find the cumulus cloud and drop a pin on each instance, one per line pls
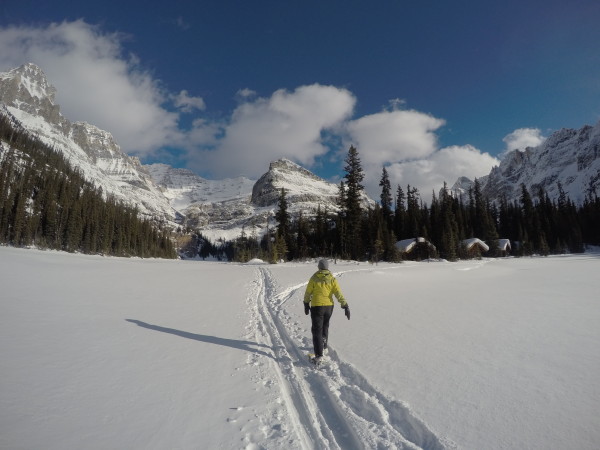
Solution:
(523, 138)
(404, 141)
(245, 94)
(445, 165)
(95, 81)
(392, 136)
(285, 125)
(99, 83)
(188, 104)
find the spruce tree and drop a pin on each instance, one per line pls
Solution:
(340, 226)
(413, 226)
(354, 178)
(282, 217)
(527, 214)
(386, 197)
(400, 214)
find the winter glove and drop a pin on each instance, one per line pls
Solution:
(347, 311)
(306, 308)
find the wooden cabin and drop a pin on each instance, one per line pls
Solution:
(416, 248)
(504, 247)
(475, 247)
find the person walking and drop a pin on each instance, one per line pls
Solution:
(318, 301)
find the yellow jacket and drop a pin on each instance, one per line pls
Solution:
(321, 288)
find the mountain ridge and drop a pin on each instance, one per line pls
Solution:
(569, 158)
(29, 98)
(221, 209)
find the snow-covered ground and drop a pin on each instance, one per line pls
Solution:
(99, 353)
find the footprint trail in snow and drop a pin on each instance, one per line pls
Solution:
(334, 407)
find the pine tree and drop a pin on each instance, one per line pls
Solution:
(283, 221)
(302, 237)
(449, 245)
(528, 221)
(354, 178)
(386, 197)
(320, 232)
(340, 225)
(280, 249)
(400, 214)
(413, 213)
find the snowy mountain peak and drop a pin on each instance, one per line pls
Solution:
(32, 81)
(301, 185)
(28, 97)
(285, 165)
(219, 208)
(27, 89)
(462, 182)
(568, 157)
(184, 188)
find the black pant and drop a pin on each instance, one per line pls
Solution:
(320, 316)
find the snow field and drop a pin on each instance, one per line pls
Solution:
(103, 353)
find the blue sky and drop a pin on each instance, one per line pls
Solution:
(432, 90)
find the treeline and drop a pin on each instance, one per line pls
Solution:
(534, 224)
(193, 245)
(46, 203)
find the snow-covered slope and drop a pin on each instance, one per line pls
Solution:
(28, 96)
(304, 190)
(218, 208)
(223, 208)
(92, 359)
(184, 188)
(569, 157)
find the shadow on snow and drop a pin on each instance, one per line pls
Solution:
(248, 346)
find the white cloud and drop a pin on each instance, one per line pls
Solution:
(203, 134)
(392, 136)
(186, 103)
(288, 125)
(98, 83)
(245, 94)
(95, 82)
(404, 141)
(523, 138)
(445, 165)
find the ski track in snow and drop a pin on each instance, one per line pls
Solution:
(332, 407)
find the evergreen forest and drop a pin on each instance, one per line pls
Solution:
(534, 225)
(46, 203)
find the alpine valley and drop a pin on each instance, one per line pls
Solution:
(222, 209)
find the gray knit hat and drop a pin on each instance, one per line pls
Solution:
(323, 264)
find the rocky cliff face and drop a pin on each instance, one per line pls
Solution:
(28, 96)
(27, 89)
(301, 186)
(220, 208)
(223, 208)
(569, 157)
(304, 190)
